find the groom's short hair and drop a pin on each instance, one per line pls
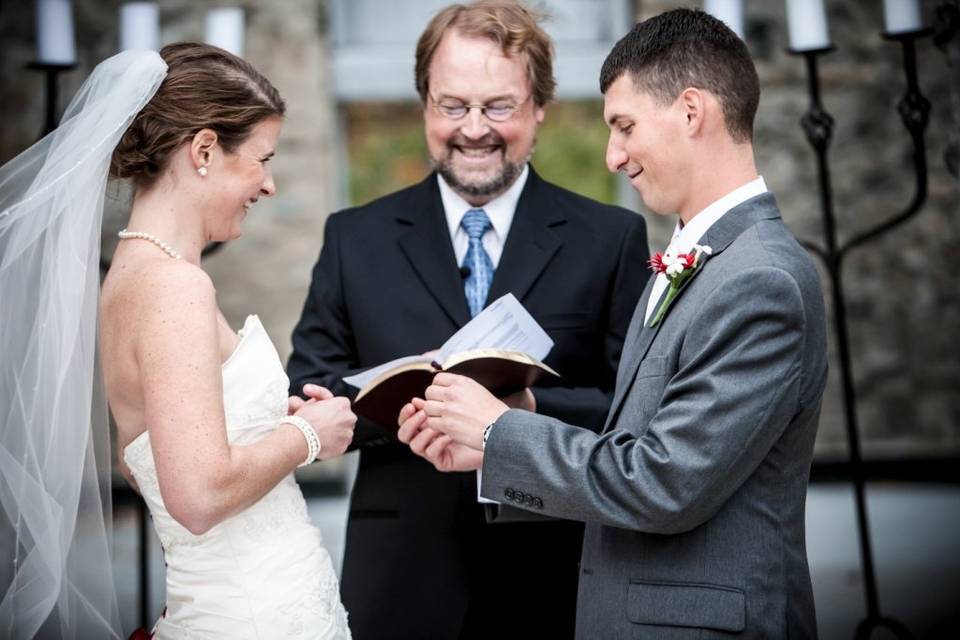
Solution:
(509, 24)
(689, 48)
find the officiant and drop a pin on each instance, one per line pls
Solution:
(399, 275)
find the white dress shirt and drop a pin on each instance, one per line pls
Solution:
(500, 210)
(685, 236)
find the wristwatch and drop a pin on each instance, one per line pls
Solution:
(486, 434)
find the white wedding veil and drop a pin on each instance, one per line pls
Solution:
(55, 570)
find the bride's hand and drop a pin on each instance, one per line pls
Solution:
(294, 403)
(313, 391)
(333, 421)
(437, 448)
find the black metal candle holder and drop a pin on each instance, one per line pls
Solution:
(817, 124)
(51, 73)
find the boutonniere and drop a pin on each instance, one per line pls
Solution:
(678, 267)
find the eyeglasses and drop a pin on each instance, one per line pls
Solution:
(496, 111)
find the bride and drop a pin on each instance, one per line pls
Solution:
(205, 430)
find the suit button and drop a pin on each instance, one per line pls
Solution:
(538, 503)
(509, 493)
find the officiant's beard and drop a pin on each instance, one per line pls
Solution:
(479, 189)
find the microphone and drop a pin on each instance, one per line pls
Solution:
(464, 272)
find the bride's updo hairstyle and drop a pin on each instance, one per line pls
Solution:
(205, 88)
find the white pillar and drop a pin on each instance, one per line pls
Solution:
(807, 23)
(55, 39)
(225, 29)
(139, 26)
(728, 11)
(901, 16)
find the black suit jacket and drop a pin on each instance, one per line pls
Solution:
(421, 561)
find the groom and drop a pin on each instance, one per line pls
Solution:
(694, 492)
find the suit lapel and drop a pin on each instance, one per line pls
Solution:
(635, 348)
(426, 243)
(530, 245)
(718, 237)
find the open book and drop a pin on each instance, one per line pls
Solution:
(501, 348)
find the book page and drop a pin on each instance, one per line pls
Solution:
(359, 380)
(505, 324)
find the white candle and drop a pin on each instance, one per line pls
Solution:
(225, 29)
(139, 26)
(807, 23)
(902, 16)
(55, 44)
(728, 11)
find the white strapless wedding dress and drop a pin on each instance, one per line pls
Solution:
(263, 573)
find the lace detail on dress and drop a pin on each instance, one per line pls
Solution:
(282, 507)
(264, 572)
(321, 601)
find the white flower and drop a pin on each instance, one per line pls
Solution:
(675, 268)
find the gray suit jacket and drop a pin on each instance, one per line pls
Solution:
(694, 492)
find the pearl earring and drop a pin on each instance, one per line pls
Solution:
(202, 171)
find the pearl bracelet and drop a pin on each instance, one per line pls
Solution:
(313, 441)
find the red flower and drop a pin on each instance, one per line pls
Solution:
(656, 263)
(688, 259)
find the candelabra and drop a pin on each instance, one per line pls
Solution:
(817, 124)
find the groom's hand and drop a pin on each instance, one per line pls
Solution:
(461, 408)
(438, 449)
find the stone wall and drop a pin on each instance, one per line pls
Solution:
(902, 293)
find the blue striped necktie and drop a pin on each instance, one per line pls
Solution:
(476, 286)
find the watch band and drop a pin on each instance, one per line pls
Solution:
(486, 434)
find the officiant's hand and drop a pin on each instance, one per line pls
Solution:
(438, 449)
(461, 408)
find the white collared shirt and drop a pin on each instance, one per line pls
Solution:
(500, 210)
(685, 236)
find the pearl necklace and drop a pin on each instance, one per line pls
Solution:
(167, 249)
